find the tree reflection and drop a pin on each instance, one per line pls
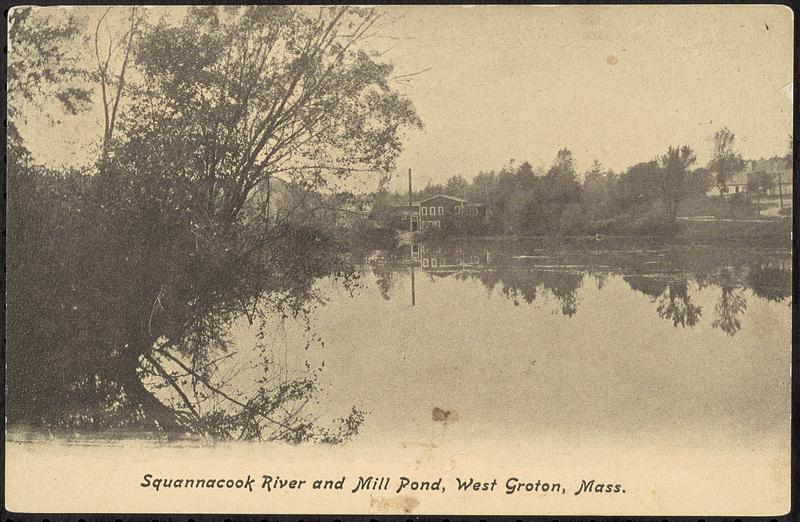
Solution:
(649, 286)
(522, 277)
(674, 301)
(385, 279)
(730, 306)
(770, 282)
(563, 286)
(676, 304)
(526, 285)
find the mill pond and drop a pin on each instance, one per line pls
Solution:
(513, 340)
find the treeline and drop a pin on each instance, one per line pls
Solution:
(644, 199)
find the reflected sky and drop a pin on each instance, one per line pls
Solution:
(690, 345)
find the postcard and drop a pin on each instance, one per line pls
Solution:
(406, 260)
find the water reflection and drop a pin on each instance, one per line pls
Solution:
(525, 273)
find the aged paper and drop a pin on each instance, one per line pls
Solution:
(495, 260)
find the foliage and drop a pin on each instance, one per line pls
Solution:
(42, 69)
(42, 75)
(674, 166)
(213, 202)
(726, 160)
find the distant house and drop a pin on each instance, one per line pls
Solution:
(737, 184)
(432, 212)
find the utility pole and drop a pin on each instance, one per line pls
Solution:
(410, 205)
(413, 289)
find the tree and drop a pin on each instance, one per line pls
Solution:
(596, 190)
(640, 183)
(456, 186)
(560, 191)
(759, 182)
(42, 78)
(526, 178)
(674, 166)
(564, 162)
(595, 170)
(483, 186)
(43, 75)
(210, 207)
(561, 183)
(111, 76)
(726, 160)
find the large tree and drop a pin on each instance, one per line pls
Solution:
(208, 207)
(674, 166)
(726, 160)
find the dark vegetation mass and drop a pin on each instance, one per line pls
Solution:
(209, 203)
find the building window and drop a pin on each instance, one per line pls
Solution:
(737, 189)
(441, 211)
(424, 211)
(457, 210)
(424, 263)
(433, 211)
(433, 262)
(414, 251)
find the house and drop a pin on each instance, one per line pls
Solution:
(737, 184)
(435, 210)
(776, 168)
(432, 212)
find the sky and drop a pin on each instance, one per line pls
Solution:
(618, 84)
(614, 83)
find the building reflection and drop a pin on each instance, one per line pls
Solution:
(443, 259)
(670, 283)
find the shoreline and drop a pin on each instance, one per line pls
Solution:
(728, 233)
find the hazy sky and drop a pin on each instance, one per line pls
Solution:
(614, 83)
(619, 84)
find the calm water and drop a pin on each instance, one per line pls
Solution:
(666, 370)
(517, 341)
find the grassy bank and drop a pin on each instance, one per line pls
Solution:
(775, 233)
(766, 233)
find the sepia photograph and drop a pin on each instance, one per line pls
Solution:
(404, 260)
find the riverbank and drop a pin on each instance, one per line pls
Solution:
(749, 233)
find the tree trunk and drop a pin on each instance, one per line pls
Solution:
(156, 413)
